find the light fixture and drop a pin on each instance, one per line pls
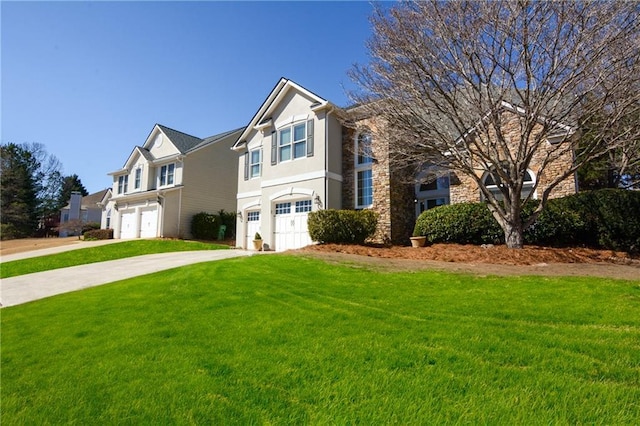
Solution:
(318, 201)
(239, 216)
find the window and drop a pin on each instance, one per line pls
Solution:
(293, 139)
(108, 224)
(364, 188)
(123, 184)
(303, 206)
(256, 162)
(136, 184)
(433, 189)
(166, 174)
(364, 173)
(494, 187)
(364, 150)
(253, 216)
(283, 208)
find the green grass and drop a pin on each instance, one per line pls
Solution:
(100, 254)
(289, 340)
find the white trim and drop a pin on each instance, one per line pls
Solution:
(301, 177)
(291, 120)
(290, 191)
(251, 204)
(248, 194)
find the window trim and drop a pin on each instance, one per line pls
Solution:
(164, 174)
(258, 163)
(137, 181)
(123, 184)
(527, 187)
(293, 143)
(362, 167)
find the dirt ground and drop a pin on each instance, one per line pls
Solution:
(28, 244)
(489, 260)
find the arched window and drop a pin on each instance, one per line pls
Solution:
(492, 186)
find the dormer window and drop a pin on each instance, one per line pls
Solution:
(166, 174)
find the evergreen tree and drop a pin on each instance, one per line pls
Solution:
(19, 190)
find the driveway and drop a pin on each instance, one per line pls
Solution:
(26, 288)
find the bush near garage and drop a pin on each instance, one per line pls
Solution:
(342, 226)
(205, 226)
(98, 234)
(607, 219)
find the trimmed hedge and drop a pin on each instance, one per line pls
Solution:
(342, 226)
(463, 223)
(607, 218)
(98, 234)
(204, 226)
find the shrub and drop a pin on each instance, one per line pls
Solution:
(9, 232)
(90, 226)
(463, 223)
(607, 218)
(557, 225)
(611, 218)
(99, 234)
(204, 226)
(342, 226)
(228, 219)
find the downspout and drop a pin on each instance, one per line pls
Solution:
(180, 213)
(326, 158)
(161, 203)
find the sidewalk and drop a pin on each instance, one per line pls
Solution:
(26, 288)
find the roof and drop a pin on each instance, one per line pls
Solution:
(182, 141)
(216, 138)
(91, 200)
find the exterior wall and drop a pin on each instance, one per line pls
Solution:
(317, 177)
(392, 194)
(209, 182)
(169, 217)
(464, 188)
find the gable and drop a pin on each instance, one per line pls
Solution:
(286, 100)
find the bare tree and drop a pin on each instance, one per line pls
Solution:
(490, 88)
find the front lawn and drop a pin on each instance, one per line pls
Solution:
(290, 340)
(100, 254)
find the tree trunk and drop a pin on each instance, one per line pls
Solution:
(513, 235)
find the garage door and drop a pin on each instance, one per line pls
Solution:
(253, 226)
(128, 225)
(291, 225)
(149, 223)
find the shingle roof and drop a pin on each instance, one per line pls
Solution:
(182, 141)
(216, 138)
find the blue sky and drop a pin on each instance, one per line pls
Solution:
(90, 79)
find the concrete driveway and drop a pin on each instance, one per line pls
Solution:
(26, 288)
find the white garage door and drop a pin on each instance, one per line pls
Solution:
(128, 225)
(253, 226)
(291, 225)
(149, 223)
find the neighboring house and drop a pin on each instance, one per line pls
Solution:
(301, 153)
(167, 180)
(86, 209)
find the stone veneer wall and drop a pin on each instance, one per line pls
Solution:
(392, 198)
(464, 188)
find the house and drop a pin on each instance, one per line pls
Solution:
(168, 179)
(301, 153)
(86, 209)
